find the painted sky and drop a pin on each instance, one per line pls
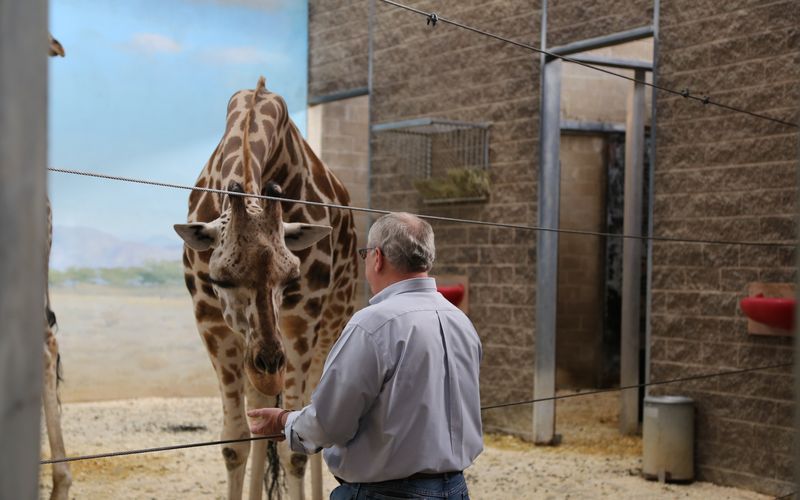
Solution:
(142, 93)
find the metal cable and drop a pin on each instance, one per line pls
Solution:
(636, 386)
(433, 18)
(258, 438)
(152, 450)
(429, 217)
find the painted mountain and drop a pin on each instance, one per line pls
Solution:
(87, 247)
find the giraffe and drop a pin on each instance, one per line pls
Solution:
(62, 477)
(272, 283)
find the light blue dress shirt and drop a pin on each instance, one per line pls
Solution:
(399, 391)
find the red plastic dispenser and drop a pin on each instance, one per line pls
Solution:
(770, 309)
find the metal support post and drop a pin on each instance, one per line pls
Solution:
(23, 157)
(544, 380)
(630, 344)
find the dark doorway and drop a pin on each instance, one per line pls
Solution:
(612, 305)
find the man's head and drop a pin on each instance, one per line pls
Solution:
(400, 246)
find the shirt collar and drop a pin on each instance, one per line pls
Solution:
(409, 285)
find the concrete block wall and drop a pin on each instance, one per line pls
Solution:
(590, 95)
(337, 45)
(572, 20)
(581, 267)
(446, 72)
(722, 175)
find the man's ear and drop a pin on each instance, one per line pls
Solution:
(299, 236)
(199, 235)
(378, 261)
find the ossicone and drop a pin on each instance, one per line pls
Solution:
(273, 189)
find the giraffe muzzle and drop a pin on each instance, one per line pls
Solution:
(266, 367)
(269, 361)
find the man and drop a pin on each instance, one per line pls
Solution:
(397, 409)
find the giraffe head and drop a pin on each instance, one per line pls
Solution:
(250, 265)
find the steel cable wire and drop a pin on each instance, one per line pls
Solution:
(490, 407)
(156, 449)
(636, 386)
(429, 217)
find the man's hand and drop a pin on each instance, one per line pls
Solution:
(268, 422)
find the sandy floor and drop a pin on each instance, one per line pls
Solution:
(137, 376)
(508, 468)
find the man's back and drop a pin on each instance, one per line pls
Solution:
(424, 415)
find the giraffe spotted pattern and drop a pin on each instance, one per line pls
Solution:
(273, 283)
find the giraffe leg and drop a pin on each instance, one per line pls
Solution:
(62, 478)
(295, 466)
(294, 463)
(258, 456)
(225, 348)
(316, 476)
(314, 374)
(328, 331)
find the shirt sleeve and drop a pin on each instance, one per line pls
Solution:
(350, 383)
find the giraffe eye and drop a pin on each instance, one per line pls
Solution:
(292, 279)
(221, 283)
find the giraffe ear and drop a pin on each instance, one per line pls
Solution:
(199, 236)
(299, 236)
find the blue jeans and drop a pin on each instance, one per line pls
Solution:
(453, 488)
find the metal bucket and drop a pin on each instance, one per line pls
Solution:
(668, 439)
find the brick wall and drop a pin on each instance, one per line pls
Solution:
(727, 176)
(337, 45)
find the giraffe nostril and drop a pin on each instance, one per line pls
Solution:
(261, 362)
(269, 360)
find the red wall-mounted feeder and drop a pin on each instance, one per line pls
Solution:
(453, 293)
(773, 312)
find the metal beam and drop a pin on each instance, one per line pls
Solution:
(613, 62)
(544, 380)
(603, 41)
(423, 122)
(337, 96)
(23, 157)
(577, 126)
(632, 258)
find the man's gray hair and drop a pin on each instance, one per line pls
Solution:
(405, 240)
